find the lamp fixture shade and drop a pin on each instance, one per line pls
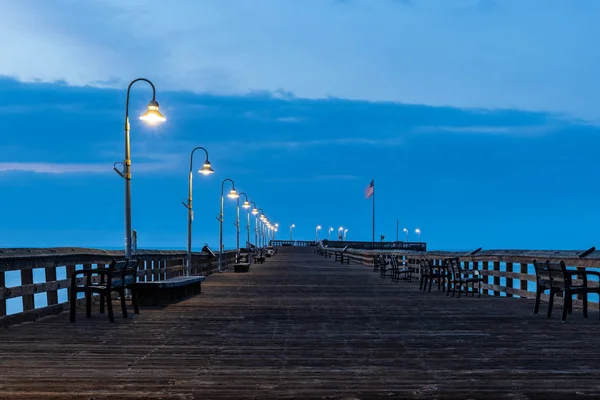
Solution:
(255, 211)
(152, 114)
(206, 168)
(246, 204)
(233, 194)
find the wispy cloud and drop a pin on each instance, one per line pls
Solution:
(492, 129)
(59, 168)
(316, 178)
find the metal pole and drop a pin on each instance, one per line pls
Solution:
(248, 229)
(290, 233)
(237, 231)
(127, 168)
(221, 224)
(190, 211)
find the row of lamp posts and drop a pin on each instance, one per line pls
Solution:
(342, 232)
(264, 230)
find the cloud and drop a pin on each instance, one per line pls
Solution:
(471, 53)
(492, 129)
(316, 178)
(58, 168)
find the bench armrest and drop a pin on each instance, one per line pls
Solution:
(581, 273)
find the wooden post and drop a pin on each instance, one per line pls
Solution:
(496, 267)
(51, 295)
(523, 282)
(142, 268)
(509, 281)
(70, 271)
(2, 284)
(27, 279)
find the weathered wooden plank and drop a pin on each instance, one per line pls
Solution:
(2, 300)
(51, 294)
(509, 277)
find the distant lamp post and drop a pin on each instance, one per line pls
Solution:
(329, 232)
(247, 206)
(345, 233)
(206, 170)
(418, 232)
(340, 233)
(151, 115)
(406, 231)
(261, 228)
(255, 213)
(292, 226)
(232, 195)
(317, 233)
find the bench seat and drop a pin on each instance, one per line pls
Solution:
(241, 267)
(168, 291)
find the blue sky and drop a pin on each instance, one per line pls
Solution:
(478, 119)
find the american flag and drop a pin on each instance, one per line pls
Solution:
(370, 189)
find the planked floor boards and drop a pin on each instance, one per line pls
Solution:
(300, 326)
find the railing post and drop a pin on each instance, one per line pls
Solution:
(523, 282)
(496, 267)
(509, 281)
(2, 284)
(27, 279)
(51, 295)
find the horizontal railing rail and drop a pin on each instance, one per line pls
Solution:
(507, 273)
(36, 282)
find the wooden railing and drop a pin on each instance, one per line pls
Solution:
(45, 275)
(507, 272)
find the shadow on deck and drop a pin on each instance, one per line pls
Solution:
(300, 326)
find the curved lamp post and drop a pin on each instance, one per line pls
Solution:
(406, 231)
(237, 224)
(329, 232)
(206, 170)
(152, 115)
(255, 213)
(340, 232)
(317, 233)
(345, 232)
(292, 226)
(232, 195)
(261, 228)
(418, 232)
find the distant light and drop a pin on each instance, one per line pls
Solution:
(233, 194)
(206, 168)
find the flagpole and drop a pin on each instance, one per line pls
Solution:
(373, 210)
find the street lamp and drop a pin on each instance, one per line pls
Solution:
(345, 232)
(317, 233)
(261, 227)
(232, 195)
(406, 230)
(247, 206)
(206, 170)
(418, 231)
(255, 213)
(329, 232)
(152, 115)
(340, 232)
(291, 227)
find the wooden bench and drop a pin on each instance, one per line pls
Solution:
(258, 258)
(120, 275)
(459, 278)
(243, 264)
(168, 291)
(555, 277)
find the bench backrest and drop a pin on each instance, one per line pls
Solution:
(122, 273)
(549, 274)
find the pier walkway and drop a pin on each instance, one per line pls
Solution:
(301, 326)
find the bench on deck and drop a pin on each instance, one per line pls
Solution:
(259, 257)
(243, 264)
(168, 291)
(119, 275)
(555, 277)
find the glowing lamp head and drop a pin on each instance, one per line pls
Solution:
(318, 227)
(255, 211)
(233, 194)
(206, 168)
(246, 204)
(276, 225)
(293, 225)
(152, 114)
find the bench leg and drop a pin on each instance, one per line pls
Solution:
(585, 305)
(134, 300)
(109, 308)
(102, 303)
(73, 301)
(550, 303)
(538, 295)
(88, 305)
(123, 304)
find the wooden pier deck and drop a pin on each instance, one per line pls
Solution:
(300, 326)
